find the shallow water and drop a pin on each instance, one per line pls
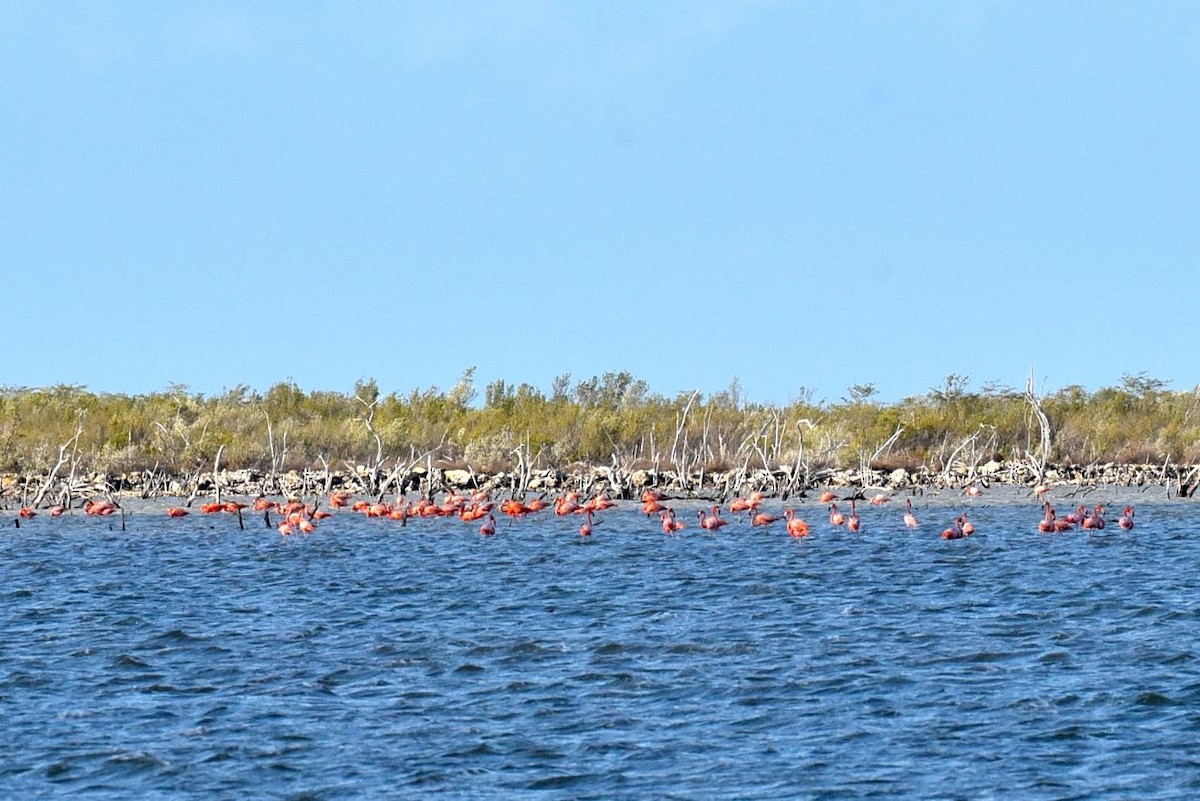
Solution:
(186, 658)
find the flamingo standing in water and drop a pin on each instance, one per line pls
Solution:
(585, 528)
(1046, 524)
(739, 505)
(1096, 519)
(968, 528)
(712, 521)
(1126, 521)
(795, 526)
(853, 522)
(669, 524)
(836, 518)
(955, 532)
(1052, 524)
(910, 519)
(763, 519)
(489, 526)
(652, 506)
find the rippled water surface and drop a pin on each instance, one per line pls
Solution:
(186, 658)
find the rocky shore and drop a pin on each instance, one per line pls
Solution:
(17, 489)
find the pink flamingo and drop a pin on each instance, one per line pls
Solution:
(795, 526)
(910, 519)
(853, 522)
(1096, 519)
(836, 518)
(763, 519)
(669, 524)
(955, 532)
(1126, 521)
(1046, 524)
(712, 521)
(585, 530)
(489, 526)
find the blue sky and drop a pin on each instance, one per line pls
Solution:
(794, 194)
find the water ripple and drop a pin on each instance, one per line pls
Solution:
(183, 659)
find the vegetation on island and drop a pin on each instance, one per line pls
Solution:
(614, 419)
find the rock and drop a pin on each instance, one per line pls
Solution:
(460, 478)
(641, 479)
(898, 477)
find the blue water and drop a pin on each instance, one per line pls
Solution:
(185, 658)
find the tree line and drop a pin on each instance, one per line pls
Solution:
(612, 419)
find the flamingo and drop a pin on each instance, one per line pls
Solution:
(1126, 521)
(712, 521)
(176, 511)
(597, 504)
(27, 513)
(669, 524)
(1096, 519)
(99, 507)
(1046, 524)
(968, 528)
(567, 504)
(853, 522)
(879, 499)
(55, 511)
(795, 526)
(652, 507)
(1052, 524)
(489, 526)
(585, 529)
(836, 518)
(955, 532)
(910, 519)
(738, 505)
(763, 519)
(826, 497)
(974, 491)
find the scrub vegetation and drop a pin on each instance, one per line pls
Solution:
(613, 419)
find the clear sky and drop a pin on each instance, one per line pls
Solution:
(795, 194)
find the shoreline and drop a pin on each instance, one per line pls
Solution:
(782, 483)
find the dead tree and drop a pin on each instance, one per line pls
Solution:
(62, 459)
(1037, 462)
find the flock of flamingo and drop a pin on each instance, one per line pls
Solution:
(296, 517)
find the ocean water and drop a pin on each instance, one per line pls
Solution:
(185, 658)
